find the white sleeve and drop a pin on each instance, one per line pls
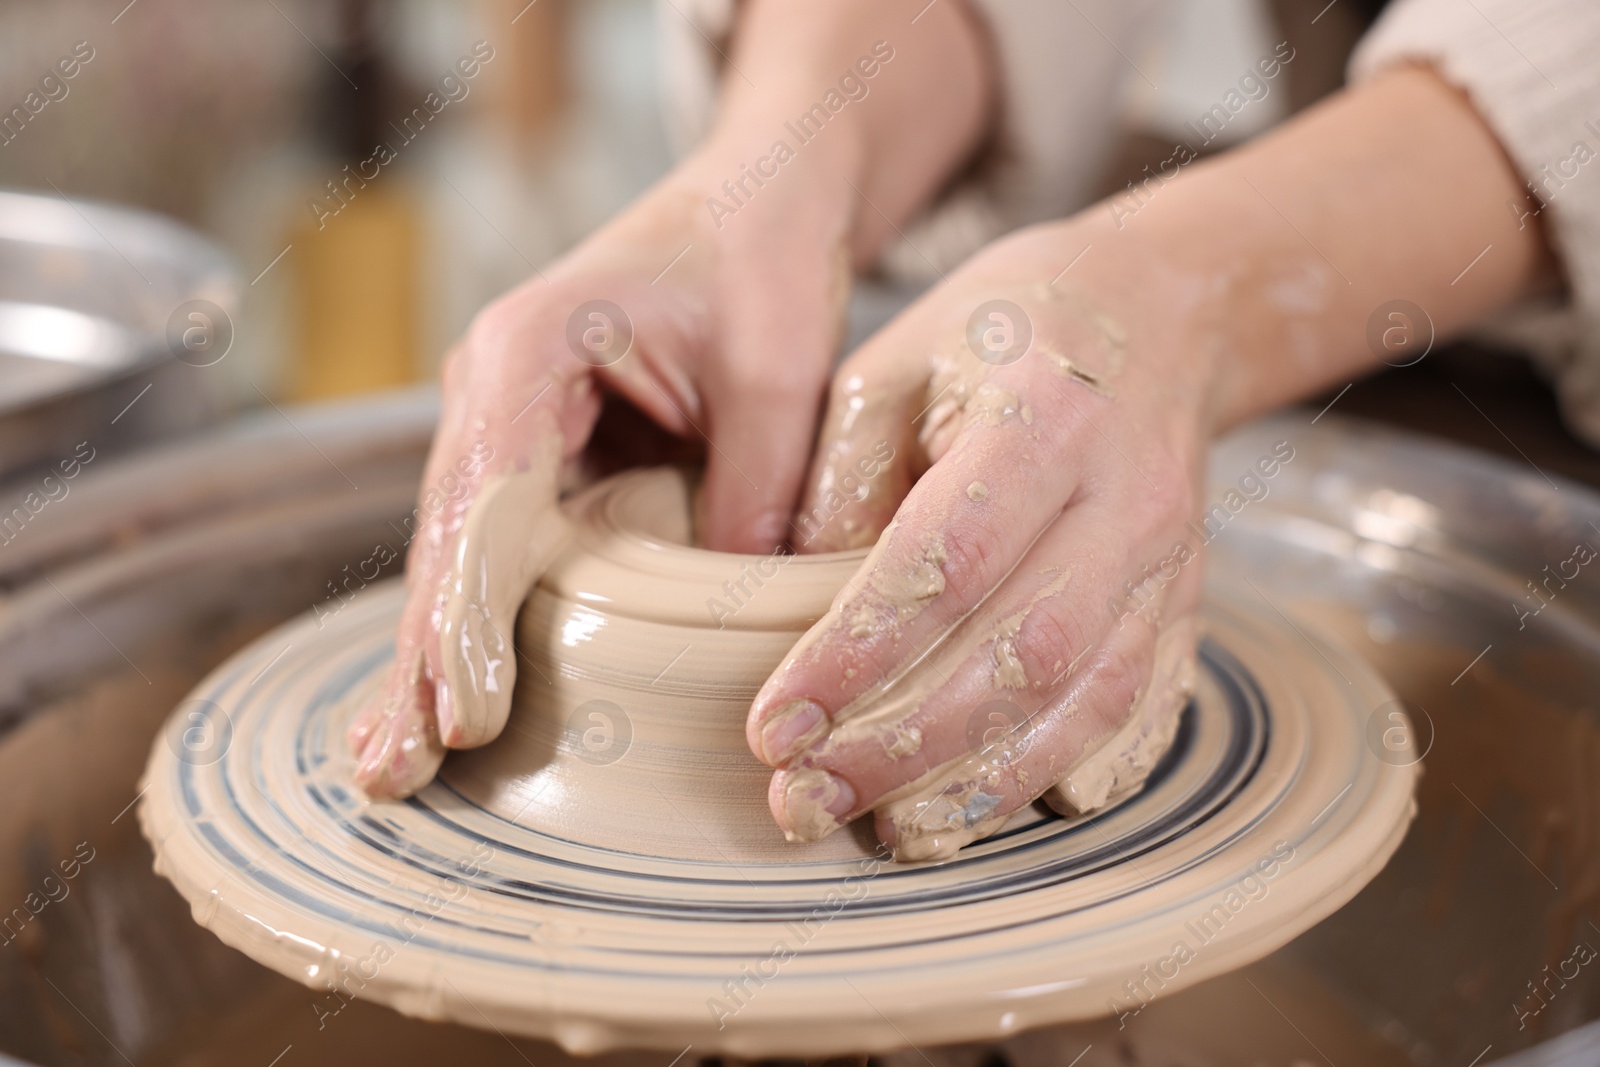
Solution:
(1532, 70)
(1060, 69)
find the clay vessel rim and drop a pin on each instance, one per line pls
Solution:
(630, 557)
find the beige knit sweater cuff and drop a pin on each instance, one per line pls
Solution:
(1532, 69)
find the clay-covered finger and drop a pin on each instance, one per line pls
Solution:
(1020, 647)
(499, 410)
(959, 532)
(1131, 755)
(394, 734)
(985, 754)
(512, 530)
(758, 436)
(866, 454)
(1023, 755)
(1121, 764)
(402, 751)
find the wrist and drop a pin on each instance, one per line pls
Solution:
(755, 182)
(1281, 257)
(844, 97)
(783, 143)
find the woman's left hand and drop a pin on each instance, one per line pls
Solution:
(1036, 436)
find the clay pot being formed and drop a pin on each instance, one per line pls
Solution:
(606, 873)
(640, 656)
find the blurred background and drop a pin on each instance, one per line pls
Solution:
(255, 121)
(239, 119)
(234, 117)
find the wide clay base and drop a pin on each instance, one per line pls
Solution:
(675, 915)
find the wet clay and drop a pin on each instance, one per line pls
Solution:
(1125, 761)
(1220, 1023)
(506, 538)
(962, 794)
(606, 874)
(512, 532)
(1096, 352)
(1085, 344)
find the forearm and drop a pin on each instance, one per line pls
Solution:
(1276, 256)
(909, 103)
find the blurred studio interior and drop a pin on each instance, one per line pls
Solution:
(228, 333)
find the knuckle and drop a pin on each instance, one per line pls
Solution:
(1051, 633)
(519, 318)
(970, 551)
(1119, 672)
(1124, 659)
(495, 328)
(1068, 431)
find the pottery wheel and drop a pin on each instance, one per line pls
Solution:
(672, 913)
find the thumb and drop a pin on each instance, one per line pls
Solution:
(511, 533)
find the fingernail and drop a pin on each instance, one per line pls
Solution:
(814, 803)
(791, 729)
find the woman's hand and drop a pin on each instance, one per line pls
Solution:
(1035, 591)
(714, 305)
(721, 335)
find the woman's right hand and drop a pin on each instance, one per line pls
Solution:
(721, 330)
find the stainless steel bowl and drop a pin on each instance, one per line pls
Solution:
(88, 295)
